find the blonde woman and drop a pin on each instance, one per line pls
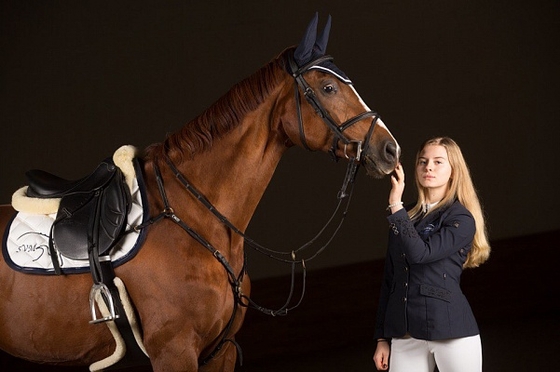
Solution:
(423, 319)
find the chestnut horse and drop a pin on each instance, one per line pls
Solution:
(182, 293)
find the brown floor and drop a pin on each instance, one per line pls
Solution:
(514, 297)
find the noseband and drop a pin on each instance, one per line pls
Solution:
(297, 73)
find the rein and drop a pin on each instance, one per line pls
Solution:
(343, 193)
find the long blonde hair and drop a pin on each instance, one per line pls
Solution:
(460, 187)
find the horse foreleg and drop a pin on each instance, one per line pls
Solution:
(170, 361)
(171, 357)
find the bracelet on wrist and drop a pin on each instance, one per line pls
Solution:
(394, 205)
(382, 340)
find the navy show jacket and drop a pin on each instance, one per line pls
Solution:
(420, 294)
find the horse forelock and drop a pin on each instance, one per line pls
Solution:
(225, 114)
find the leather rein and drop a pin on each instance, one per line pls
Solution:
(235, 280)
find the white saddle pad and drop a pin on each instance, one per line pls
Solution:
(26, 242)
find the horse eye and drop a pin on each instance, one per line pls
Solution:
(329, 89)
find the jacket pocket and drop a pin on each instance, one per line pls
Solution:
(435, 292)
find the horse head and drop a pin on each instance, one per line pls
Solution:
(349, 128)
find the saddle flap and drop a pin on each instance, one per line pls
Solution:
(92, 219)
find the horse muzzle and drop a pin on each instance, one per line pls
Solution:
(381, 157)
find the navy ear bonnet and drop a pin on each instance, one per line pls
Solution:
(311, 48)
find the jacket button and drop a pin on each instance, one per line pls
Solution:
(405, 285)
(404, 299)
(405, 268)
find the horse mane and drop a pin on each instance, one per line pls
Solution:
(223, 115)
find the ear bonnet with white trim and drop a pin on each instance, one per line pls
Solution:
(310, 48)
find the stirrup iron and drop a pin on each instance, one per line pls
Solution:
(107, 298)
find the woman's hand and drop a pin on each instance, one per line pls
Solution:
(381, 356)
(397, 188)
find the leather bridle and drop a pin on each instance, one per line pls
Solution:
(338, 129)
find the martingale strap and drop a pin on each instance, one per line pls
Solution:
(234, 280)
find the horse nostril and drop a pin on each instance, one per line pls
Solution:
(391, 151)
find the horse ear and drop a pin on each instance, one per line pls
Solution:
(321, 43)
(303, 52)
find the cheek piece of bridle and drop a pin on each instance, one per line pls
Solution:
(235, 279)
(338, 129)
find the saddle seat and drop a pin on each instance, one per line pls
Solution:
(42, 184)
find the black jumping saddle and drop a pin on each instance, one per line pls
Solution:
(92, 213)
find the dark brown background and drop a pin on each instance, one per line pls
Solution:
(80, 78)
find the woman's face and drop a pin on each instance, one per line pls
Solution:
(433, 170)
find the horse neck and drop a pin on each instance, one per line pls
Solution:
(234, 173)
(229, 153)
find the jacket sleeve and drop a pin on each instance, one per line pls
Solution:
(383, 298)
(454, 230)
